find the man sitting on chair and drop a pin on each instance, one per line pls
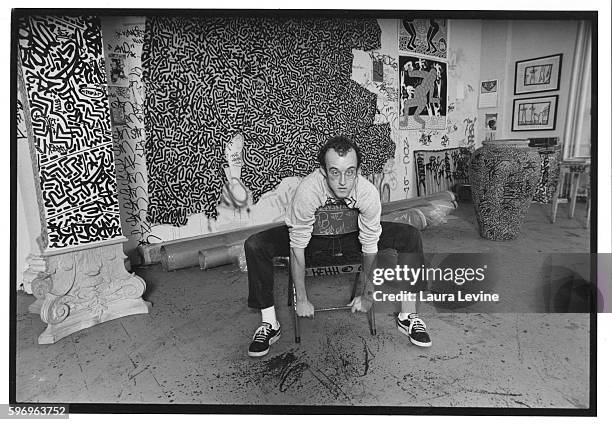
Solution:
(337, 181)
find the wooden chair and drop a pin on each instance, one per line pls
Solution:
(574, 168)
(330, 222)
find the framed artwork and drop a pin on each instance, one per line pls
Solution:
(538, 75)
(534, 113)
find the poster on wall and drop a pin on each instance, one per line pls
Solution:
(117, 70)
(423, 36)
(490, 126)
(488, 94)
(534, 113)
(423, 87)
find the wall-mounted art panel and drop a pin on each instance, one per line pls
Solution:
(68, 119)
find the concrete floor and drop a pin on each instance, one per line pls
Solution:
(192, 347)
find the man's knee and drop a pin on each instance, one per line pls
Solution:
(253, 244)
(260, 245)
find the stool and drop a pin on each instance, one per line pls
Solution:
(574, 168)
(330, 222)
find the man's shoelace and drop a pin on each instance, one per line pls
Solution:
(262, 333)
(417, 325)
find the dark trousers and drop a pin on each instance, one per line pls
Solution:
(262, 247)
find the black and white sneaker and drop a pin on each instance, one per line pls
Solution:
(263, 338)
(414, 328)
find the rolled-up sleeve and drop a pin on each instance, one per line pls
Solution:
(300, 216)
(369, 221)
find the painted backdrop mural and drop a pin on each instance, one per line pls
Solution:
(68, 118)
(283, 84)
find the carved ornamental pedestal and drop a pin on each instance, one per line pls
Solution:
(82, 287)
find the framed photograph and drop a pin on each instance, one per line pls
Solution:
(538, 75)
(534, 113)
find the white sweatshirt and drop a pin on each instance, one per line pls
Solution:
(313, 192)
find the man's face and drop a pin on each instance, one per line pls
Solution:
(341, 172)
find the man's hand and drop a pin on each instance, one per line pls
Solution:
(360, 303)
(304, 308)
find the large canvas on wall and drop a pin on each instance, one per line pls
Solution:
(286, 87)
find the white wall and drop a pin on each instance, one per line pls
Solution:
(504, 43)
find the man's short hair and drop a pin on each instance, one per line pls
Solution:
(341, 144)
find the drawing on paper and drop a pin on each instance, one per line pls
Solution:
(424, 36)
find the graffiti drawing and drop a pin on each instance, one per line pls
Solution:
(469, 131)
(126, 106)
(386, 181)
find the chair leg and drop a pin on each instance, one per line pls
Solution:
(372, 320)
(588, 214)
(296, 323)
(555, 199)
(575, 184)
(355, 286)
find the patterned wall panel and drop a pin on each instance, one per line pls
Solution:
(284, 84)
(69, 124)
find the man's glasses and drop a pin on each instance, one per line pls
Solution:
(349, 174)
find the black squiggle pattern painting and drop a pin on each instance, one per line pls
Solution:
(65, 87)
(285, 84)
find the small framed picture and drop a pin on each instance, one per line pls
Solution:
(538, 75)
(534, 113)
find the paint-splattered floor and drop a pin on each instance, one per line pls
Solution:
(191, 348)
